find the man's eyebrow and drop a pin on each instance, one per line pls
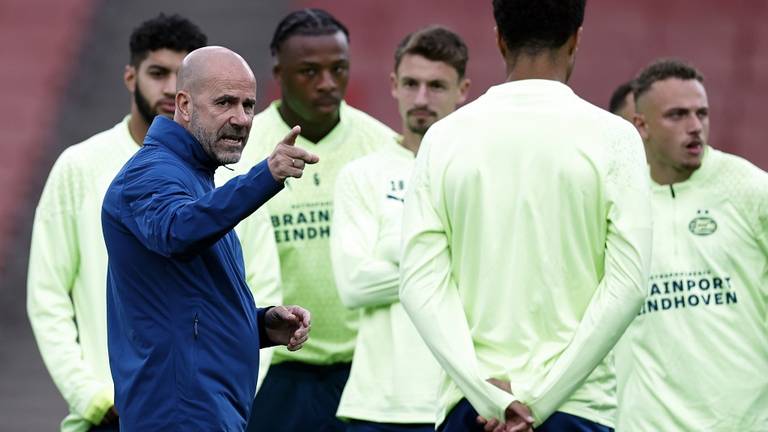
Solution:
(157, 66)
(677, 109)
(225, 98)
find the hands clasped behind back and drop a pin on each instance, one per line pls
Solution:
(287, 160)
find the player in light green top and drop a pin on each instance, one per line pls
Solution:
(394, 378)
(527, 238)
(66, 285)
(696, 357)
(311, 52)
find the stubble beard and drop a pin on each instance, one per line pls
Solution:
(208, 141)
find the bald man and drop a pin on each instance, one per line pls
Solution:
(184, 332)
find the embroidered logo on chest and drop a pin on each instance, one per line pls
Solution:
(702, 224)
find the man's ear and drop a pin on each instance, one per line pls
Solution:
(463, 90)
(129, 78)
(184, 106)
(641, 125)
(393, 84)
(276, 69)
(574, 42)
(500, 43)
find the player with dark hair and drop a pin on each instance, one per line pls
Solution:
(306, 22)
(527, 237)
(66, 286)
(694, 358)
(162, 35)
(394, 379)
(434, 43)
(311, 53)
(622, 102)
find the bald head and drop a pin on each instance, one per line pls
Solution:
(215, 101)
(211, 62)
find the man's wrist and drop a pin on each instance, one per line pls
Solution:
(100, 403)
(264, 340)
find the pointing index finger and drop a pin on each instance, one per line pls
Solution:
(290, 139)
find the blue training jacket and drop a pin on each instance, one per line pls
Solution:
(184, 332)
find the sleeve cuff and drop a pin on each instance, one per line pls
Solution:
(100, 404)
(526, 399)
(264, 341)
(263, 180)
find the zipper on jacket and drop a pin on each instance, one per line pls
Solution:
(674, 217)
(195, 326)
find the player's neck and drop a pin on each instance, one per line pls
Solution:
(547, 66)
(666, 175)
(411, 140)
(137, 127)
(311, 131)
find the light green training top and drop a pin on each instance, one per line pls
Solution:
(527, 240)
(66, 284)
(394, 377)
(301, 218)
(696, 357)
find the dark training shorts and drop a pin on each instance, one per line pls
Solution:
(365, 426)
(299, 397)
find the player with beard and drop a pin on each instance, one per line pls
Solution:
(696, 357)
(394, 379)
(66, 287)
(311, 53)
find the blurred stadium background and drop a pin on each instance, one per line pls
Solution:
(61, 82)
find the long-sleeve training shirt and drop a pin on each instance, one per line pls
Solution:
(66, 283)
(183, 330)
(301, 218)
(527, 239)
(696, 357)
(394, 377)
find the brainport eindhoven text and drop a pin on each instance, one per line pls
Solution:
(302, 225)
(688, 290)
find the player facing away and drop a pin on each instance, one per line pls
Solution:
(527, 237)
(311, 52)
(696, 357)
(394, 379)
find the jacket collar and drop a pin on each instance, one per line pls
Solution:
(167, 133)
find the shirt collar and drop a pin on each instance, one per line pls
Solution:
(531, 86)
(167, 133)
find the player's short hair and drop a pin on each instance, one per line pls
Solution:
(306, 22)
(533, 26)
(172, 32)
(619, 97)
(435, 43)
(661, 70)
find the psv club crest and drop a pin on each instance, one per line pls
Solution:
(702, 224)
